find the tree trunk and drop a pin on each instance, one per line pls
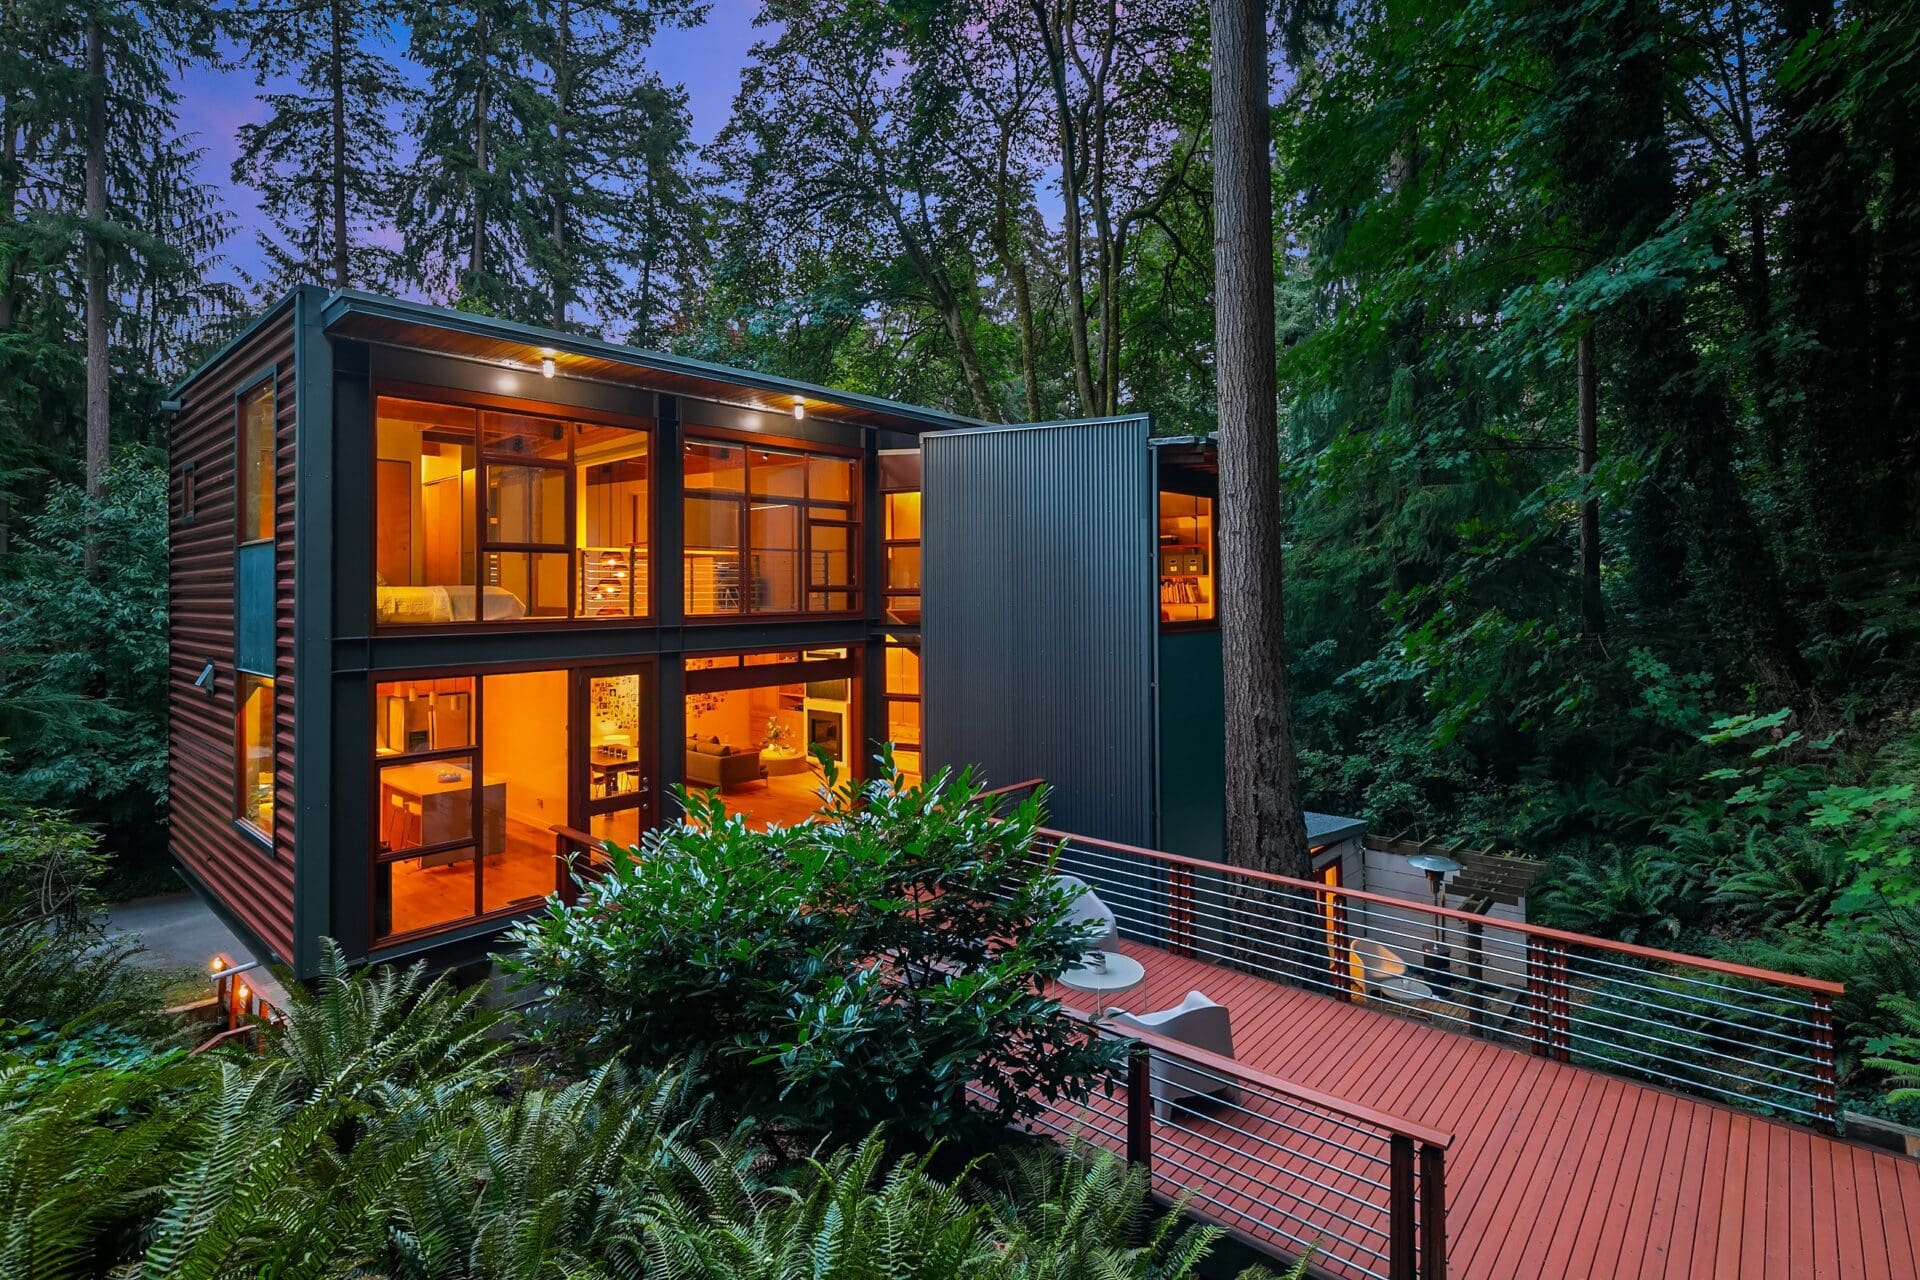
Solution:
(1592, 604)
(9, 198)
(477, 251)
(1827, 268)
(1052, 43)
(337, 75)
(96, 258)
(1029, 338)
(562, 101)
(1266, 829)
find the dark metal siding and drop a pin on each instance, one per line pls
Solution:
(1038, 614)
(254, 884)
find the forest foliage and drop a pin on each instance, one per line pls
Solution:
(1599, 367)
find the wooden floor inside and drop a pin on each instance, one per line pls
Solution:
(1557, 1171)
(784, 799)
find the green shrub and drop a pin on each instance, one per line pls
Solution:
(63, 980)
(884, 966)
(1084, 1216)
(1899, 1054)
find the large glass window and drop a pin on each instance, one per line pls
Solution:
(472, 777)
(771, 531)
(485, 516)
(1186, 558)
(755, 721)
(254, 736)
(256, 480)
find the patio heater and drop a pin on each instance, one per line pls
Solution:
(1439, 962)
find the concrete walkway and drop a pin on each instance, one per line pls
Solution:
(179, 931)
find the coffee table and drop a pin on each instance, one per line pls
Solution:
(1100, 973)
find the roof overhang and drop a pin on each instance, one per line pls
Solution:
(372, 318)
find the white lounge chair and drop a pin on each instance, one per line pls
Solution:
(1087, 908)
(1199, 1022)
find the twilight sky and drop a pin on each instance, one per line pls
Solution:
(213, 105)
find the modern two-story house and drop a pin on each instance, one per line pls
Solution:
(443, 586)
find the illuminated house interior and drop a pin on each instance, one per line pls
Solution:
(424, 668)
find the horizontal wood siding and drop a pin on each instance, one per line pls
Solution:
(254, 884)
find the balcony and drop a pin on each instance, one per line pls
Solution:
(1522, 1115)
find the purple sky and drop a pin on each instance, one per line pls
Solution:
(213, 105)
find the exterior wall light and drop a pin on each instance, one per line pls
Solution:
(799, 408)
(546, 366)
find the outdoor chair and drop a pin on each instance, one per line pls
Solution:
(1195, 1021)
(1380, 969)
(1087, 908)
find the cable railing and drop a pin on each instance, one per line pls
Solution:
(1727, 1032)
(1285, 1168)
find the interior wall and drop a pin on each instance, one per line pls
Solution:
(525, 743)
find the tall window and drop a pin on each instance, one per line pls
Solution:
(1186, 558)
(485, 516)
(254, 738)
(902, 541)
(464, 818)
(256, 465)
(903, 709)
(769, 530)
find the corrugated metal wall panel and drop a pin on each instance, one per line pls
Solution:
(1038, 614)
(254, 884)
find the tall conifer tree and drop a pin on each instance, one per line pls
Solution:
(324, 158)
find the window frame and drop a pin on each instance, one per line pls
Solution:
(579, 809)
(242, 681)
(263, 385)
(481, 403)
(890, 544)
(1211, 622)
(810, 511)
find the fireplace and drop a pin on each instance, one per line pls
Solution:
(827, 729)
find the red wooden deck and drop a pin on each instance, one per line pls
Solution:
(1557, 1171)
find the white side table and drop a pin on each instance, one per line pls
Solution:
(1101, 973)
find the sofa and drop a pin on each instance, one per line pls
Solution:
(716, 765)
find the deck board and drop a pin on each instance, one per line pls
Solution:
(1556, 1171)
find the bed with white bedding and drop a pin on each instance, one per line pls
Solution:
(417, 605)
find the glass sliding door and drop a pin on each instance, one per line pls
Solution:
(615, 748)
(471, 776)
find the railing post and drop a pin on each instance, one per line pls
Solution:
(1140, 1106)
(1433, 1212)
(1401, 1204)
(1339, 948)
(1538, 1022)
(1180, 910)
(1476, 974)
(1562, 1009)
(1827, 1106)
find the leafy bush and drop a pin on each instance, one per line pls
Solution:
(63, 981)
(381, 1135)
(1900, 1054)
(883, 966)
(1084, 1216)
(1645, 896)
